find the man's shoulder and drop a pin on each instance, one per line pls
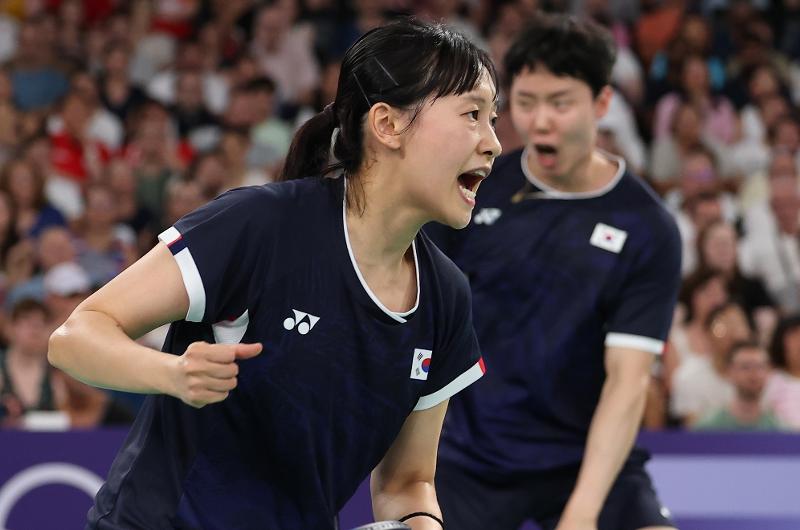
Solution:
(634, 197)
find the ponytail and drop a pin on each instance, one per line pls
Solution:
(311, 145)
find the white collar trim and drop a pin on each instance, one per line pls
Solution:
(399, 317)
(549, 191)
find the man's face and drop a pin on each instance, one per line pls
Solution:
(748, 373)
(557, 117)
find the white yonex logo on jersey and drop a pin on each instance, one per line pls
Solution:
(608, 238)
(487, 216)
(305, 322)
(421, 364)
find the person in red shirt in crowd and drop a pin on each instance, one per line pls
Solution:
(74, 155)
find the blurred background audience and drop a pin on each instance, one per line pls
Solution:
(118, 117)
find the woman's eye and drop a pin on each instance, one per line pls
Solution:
(474, 115)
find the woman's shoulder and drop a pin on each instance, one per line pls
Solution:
(280, 196)
(449, 279)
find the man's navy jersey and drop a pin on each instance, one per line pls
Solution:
(556, 277)
(314, 412)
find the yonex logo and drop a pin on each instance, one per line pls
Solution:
(304, 322)
(487, 216)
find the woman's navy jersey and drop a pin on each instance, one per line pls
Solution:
(314, 412)
(556, 278)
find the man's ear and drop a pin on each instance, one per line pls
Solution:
(603, 101)
(386, 123)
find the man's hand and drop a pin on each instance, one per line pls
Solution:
(206, 373)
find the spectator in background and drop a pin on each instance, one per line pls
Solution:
(9, 37)
(130, 212)
(209, 172)
(669, 151)
(25, 186)
(783, 389)
(163, 87)
(76, 156)
(8, 232)
(698, 200)
(747, 368)
(234, 146)
(9, 118)
(65, 285)
(25, 376)
(104, 127)
(195, 123)
(87, 407)
(183, 196)
(619, 123)
(718, 118)
(717, 248)
(270, 136)
(770, 250)
(658, 24)
(763, 84)
(693, 38)
(323, 94)
(155, 154)
(117, 92)
(105, 247)
(701, 292)
(38, 78)
(70, 26)
(699, 386)
(285, 53)
(34, 258)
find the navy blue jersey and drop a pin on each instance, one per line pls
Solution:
(555, 277)
(314, 412)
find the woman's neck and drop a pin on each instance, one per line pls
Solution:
(381, 236)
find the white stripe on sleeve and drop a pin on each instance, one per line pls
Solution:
(191, 277)
(455, 386)
(635, 342)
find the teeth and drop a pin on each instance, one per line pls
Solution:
(467, 193)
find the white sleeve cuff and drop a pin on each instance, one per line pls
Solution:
(455, 386)
(635, 342)
(191, 276)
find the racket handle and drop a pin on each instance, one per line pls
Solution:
(384, 525)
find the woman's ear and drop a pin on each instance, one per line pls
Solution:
(385, 123)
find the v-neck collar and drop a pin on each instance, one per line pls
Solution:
(394, 315)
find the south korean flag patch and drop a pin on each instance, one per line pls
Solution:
(608, 238)
(421, 364)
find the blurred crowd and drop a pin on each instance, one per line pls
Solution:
(118, 117)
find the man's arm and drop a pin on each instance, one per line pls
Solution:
(402, 483)
(612, 432)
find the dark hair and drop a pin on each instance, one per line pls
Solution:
(40, 198)
(27, 306)
(703, 236)
(260, 84)
(566, 46)
(777, 348)
(693, 283)
(403, 64)
(739, 346)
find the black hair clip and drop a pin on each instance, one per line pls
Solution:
(384, 80)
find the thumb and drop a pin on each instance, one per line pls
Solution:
(247, 351)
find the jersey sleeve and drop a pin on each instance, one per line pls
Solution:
(457, 363)
(218, 248)
(642, 316)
